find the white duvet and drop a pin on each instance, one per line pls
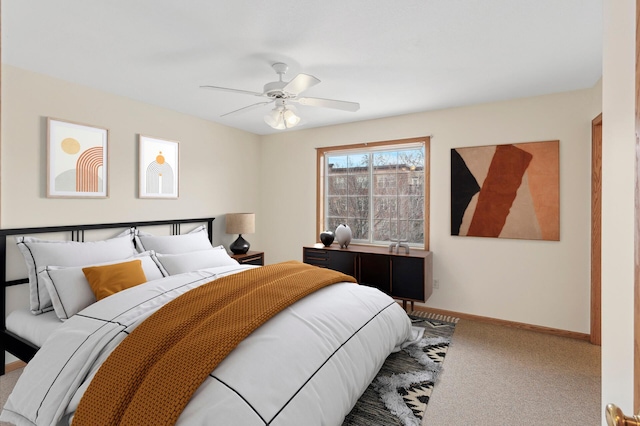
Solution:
(308, 365)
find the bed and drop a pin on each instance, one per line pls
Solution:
(307, 364)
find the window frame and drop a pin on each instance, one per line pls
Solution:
(391, 144)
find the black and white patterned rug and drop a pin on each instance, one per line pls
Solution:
(401, 390)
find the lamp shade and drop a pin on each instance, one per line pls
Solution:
(240, 223)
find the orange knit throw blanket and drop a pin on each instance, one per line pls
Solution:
(152, 374)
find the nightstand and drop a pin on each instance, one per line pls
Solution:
(250, 258)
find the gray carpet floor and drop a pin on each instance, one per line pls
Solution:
(495, 375)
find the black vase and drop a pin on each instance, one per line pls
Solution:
(327, 238)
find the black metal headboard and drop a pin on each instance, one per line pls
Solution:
(15, 344)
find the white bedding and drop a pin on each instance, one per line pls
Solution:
(34, 328)
(308, 365)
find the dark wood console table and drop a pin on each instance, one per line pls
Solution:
(407, 277)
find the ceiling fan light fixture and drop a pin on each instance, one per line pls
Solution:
(282, 93)
(282, 117)
(274, 119)
(290, 117)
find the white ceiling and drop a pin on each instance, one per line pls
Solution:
(393, 57)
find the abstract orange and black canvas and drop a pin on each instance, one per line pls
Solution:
(506, 191)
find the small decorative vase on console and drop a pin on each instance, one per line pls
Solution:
(327, 238)
(343, 235)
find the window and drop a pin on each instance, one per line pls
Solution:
(379, 189)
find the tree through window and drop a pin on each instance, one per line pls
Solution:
(378, 189)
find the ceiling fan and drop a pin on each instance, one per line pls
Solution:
(283, 94)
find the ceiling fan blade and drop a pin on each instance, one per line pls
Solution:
(226, 89)
(247, 108)
(329, 103)
(300, 83)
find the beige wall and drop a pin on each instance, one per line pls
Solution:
(618, 179)
(210, 184)
(535, 282)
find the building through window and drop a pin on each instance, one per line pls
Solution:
(378, 189)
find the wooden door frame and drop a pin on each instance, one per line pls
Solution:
(596, 230)
(636, 233)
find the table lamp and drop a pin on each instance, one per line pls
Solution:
(240, 223)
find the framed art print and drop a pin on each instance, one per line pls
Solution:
(77, 160)
(159, 164)
(506, 191)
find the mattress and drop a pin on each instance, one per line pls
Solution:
(34, 328)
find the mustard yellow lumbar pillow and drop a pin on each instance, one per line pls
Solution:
(110, 279)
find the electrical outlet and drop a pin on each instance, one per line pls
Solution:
(436, 283)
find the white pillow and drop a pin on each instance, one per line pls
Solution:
(70, 291)
(195, 260)
(198, 239)
(38, 253)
